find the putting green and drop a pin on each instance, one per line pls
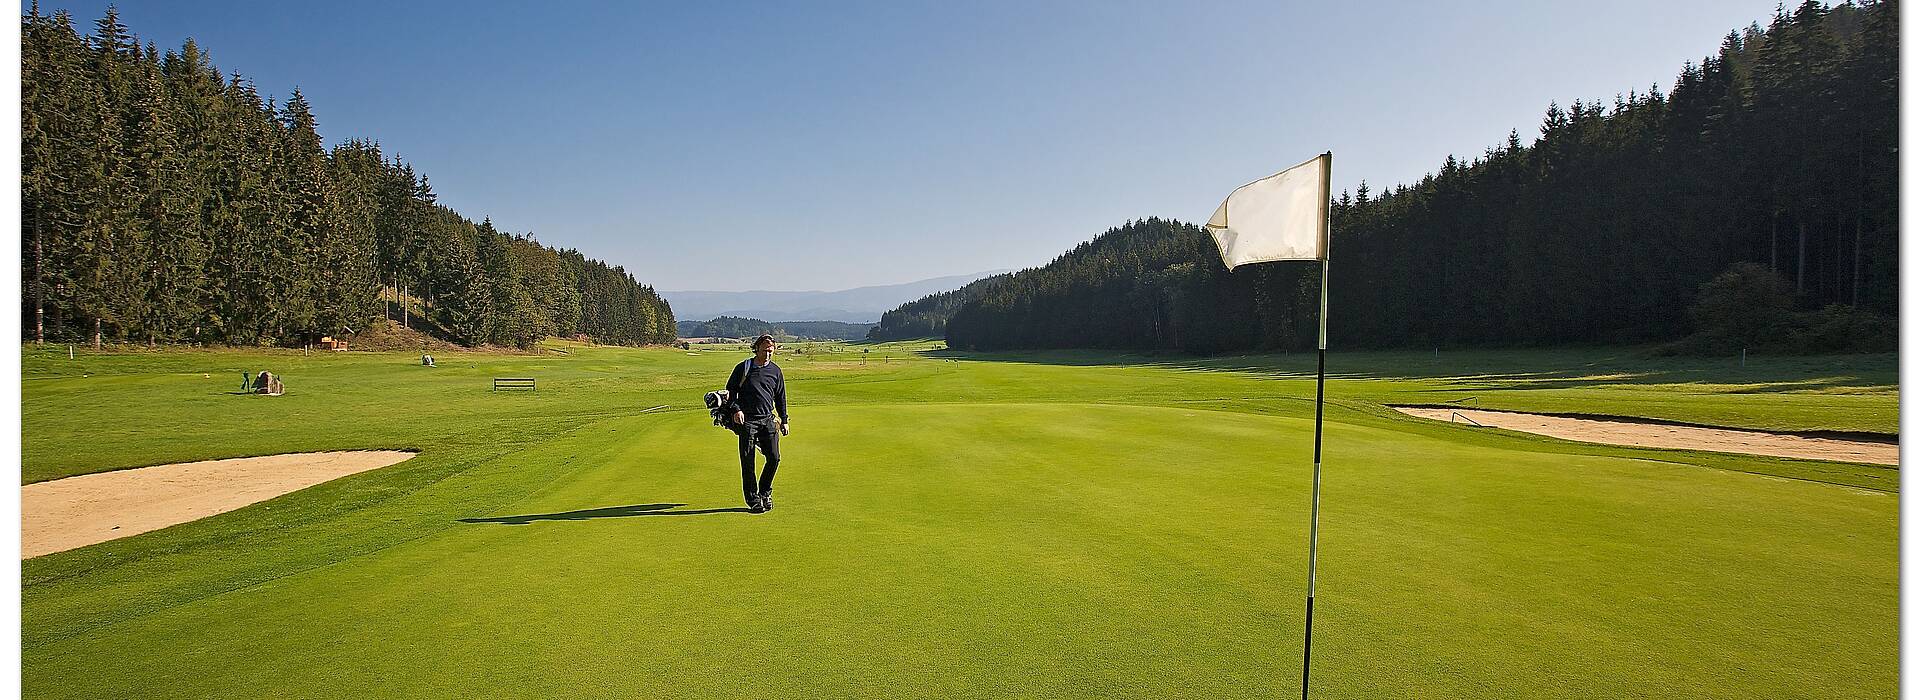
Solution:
(1020, 548)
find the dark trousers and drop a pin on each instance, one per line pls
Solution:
(764, 433)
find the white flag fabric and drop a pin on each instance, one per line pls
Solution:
(1279, 217)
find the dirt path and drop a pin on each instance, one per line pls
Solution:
(78, 511)
(1634, 434)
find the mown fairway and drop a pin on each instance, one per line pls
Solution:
(1043, 525)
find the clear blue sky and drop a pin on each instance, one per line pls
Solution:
(847, 144)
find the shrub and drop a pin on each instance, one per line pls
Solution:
(1750, 307)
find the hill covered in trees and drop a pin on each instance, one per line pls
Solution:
(1770, 169)
(738, 327)
(927, 316)
(163, 201)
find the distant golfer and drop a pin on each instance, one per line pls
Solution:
(758, 391)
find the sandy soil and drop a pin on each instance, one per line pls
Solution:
(78, 511)
(1673, 436)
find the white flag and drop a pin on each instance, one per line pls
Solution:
(1279, 217)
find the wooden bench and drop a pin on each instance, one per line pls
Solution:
(500, 383)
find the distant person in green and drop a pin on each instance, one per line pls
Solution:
(758, 393)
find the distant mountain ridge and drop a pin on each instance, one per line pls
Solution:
(857, 305)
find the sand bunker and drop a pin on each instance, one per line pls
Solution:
(1642, 434)
(78, 511)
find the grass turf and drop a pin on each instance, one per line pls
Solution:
(1054, 524)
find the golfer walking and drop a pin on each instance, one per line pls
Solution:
(758, 391)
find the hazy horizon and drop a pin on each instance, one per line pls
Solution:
(873, 144)
(975, 274)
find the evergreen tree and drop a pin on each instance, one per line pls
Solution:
(165, 201)
(1780, 150)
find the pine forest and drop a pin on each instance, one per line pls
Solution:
(166, 202)
(1753, 205)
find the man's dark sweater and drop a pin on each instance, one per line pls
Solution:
(760, 392)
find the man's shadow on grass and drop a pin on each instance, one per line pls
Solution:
(611, 512)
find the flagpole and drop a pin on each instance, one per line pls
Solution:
(1270, 228)
(1319, 405)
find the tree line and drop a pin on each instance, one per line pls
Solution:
(163, 201)
(742, 327)
(1779, 151)
(927, 316)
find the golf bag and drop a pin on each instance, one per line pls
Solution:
(717, 406)
(720, 406)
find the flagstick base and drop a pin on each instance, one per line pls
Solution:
(1306, 661)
